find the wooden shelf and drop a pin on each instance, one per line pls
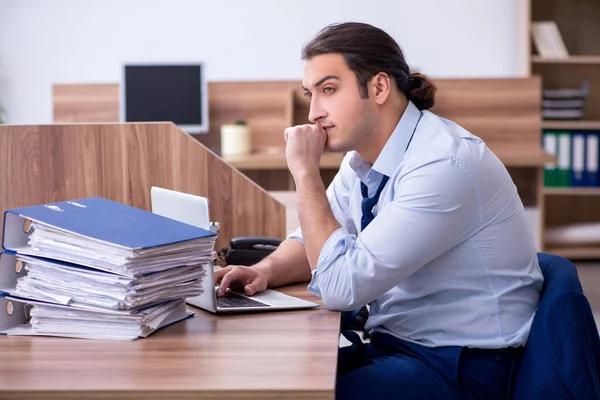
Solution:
(511, 156)
(574, 125)
(522, 156)
(577, 23)
(570, 60)
(269, 160)
(572, 191)
(579, 253)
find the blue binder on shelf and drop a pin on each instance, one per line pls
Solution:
(101, 220)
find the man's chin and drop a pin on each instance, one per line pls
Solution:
(336, 147)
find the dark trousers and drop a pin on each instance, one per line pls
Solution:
(390, 368)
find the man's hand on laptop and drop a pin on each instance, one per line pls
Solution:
(240, 278)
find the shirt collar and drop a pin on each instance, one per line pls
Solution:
(393, 152)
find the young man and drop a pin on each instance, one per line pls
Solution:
(422, 223)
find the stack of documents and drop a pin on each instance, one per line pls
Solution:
(565, 103)
(69, 284)
(52, 320)
(93, 268)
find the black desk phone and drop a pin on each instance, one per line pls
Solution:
(248, 250)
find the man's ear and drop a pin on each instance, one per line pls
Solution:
(381, 87)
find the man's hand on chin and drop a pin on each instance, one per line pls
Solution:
(305, 146)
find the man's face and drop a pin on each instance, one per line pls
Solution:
(335, 103)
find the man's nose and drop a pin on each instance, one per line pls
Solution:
(316, 112)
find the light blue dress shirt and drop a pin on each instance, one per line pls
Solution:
(449, 259)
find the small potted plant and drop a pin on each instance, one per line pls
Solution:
(235, 139)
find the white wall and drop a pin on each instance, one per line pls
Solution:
(83, 41)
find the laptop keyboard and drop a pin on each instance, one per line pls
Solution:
(231, 300)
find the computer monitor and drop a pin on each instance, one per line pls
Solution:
(166, 92)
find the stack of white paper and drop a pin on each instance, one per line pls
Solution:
(52, 243)
(69, 284)
(57, 320)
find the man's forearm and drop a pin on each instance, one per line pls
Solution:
(286, 265)
(316, 219)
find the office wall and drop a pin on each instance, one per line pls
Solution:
(75, 41)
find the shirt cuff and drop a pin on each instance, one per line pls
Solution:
(336, 245)
(297, 234)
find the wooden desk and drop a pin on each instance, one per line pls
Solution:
(273, 355)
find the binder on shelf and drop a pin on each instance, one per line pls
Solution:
(592, 143)
(578, 159)
(550, 144)
(564, 159)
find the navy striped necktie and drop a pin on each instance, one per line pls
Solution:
(368, 203)
(366, 206)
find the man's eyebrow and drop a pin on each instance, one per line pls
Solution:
(322, 80)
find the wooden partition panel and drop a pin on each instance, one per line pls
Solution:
(121, 162)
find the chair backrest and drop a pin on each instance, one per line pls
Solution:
(562, 354)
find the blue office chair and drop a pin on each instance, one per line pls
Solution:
(562, 357)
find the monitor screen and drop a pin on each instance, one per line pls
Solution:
(176, 93)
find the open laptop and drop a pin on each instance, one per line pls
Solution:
(194, 210)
